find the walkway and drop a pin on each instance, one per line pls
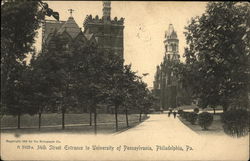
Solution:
(169, 131)
(158, 138)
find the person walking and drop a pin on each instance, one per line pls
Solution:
(174, 114)
(169, 113)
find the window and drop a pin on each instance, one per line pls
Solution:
(174, 47)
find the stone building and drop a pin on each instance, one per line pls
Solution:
(107, 31)
(167, 87)
(104, 32)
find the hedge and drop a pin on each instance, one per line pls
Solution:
(236, 122)
(205, 120)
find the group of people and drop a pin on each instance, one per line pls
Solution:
(174, 113)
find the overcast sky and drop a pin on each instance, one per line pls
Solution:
(145, 25)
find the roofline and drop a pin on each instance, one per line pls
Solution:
(54, 21)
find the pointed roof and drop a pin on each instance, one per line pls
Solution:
(71, 27)
(171, 34)
(88, 36)
(50, 27)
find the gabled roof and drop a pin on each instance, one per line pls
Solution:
(71, 27)
(92, 40)
(88, 36)
(50, 26)
(81, 37)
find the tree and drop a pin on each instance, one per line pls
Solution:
(121, 87)
(90, 75)
(217, 55)
(62, 63)
(115, 83)
(141, 98)
(20, 94)
(42, 84)
(19, 22)
(130, 79)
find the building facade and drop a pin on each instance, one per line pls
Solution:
(167, 87)
(105, 33)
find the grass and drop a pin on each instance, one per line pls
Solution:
(215, 128)
(73, 123)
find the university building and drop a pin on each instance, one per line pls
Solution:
(167, 87)
(104, 32)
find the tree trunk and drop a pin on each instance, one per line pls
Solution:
(95, 115)
(127, 117)
(63, 123)
(90, 118)
(18, 120)
(116, 119)
(225, 107)
(146, 115)
(140, 116)
(39, 120)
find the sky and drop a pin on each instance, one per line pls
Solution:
(145, 26)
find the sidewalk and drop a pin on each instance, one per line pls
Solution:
(158, 138)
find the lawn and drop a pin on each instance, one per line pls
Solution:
(215, 128)
(73, 123)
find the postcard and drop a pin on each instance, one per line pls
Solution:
(124, 80)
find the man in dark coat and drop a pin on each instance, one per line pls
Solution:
(174, 114)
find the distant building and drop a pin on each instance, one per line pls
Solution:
(171, 43)
(166, 84)
(107, 34)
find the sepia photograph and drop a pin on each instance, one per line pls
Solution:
(125, 80)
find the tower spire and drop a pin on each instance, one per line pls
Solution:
(71, 11)
(106, 10)
(171, 44)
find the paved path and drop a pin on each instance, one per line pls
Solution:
(158, 138)
(171, 133)
(160, 126)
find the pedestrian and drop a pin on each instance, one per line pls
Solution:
(169, 113)
(174, 114)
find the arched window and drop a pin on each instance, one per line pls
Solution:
(173, 47)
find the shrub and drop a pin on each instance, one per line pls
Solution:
(180, 112)
(196, 110)
(185, 115)
(192, 117)
(205, 120)
(236, 122)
